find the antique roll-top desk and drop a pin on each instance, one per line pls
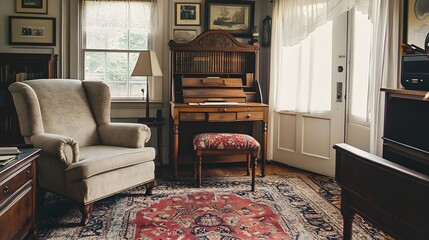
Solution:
(215, 88)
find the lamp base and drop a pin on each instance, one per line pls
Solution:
(147, 119)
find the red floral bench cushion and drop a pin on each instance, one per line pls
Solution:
(227, 141)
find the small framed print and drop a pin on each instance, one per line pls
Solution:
(32, 31)
(184, 35)
(32, 6)
(188, 14)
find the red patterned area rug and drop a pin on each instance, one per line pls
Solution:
(294, 206)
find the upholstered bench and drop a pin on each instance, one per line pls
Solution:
(226, 144)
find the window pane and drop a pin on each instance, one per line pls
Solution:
(361, 45)
(114, 32)
(136, 83)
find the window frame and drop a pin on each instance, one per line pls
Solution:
(155, 89)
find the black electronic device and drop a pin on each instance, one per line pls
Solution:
(159, 114)
(415, 72)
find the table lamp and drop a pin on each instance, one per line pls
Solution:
(147, 65)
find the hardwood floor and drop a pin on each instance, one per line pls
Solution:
(228, 169)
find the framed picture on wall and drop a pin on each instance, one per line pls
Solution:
(416, 22)
(235, 17)
(32, 6)
(184, 35)
(31, 31)
(188, 14)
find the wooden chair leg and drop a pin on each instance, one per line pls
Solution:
(149, 188)
(254, 159)
(85, 213)
(199, 171)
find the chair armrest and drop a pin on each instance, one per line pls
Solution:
(133, 135)
(60, 147)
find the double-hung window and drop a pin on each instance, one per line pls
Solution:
(113, 34)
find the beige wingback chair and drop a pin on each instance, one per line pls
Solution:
(84, 156)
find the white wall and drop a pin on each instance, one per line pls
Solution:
(8, 9)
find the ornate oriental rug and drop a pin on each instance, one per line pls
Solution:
(294, 206)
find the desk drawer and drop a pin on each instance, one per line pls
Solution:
(250, 115)
(222, 117)
(192, 117)
(8, 187)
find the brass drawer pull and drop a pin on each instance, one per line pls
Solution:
(5, 189)
(248, 115)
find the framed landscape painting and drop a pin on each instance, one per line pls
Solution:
(32, 6)
(235, 17)
(188, 14)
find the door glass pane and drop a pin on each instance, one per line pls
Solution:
(361, 45)
(306, 73)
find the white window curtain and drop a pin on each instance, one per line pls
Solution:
(302, 73)
(384, 61)
(129, 15)
(301, 17)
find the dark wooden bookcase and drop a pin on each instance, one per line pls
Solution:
(19, 67)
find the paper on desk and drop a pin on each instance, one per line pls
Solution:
(219, 103)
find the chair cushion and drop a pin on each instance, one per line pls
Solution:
(226, 141)
(100, 159)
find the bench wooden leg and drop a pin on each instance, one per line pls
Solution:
(248, 164)
(254, 159)
(199, 158)
(195, 167)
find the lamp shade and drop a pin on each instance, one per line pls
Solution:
(147, 65)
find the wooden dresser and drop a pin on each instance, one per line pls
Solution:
(215, 88)
(406, 128)
(390, 192)
(18, 196)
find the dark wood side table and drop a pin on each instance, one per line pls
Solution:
(18, 196)
(156, 123)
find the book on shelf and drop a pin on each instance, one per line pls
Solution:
(6, 159)
(9, 151)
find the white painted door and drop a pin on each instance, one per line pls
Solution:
(305, 140)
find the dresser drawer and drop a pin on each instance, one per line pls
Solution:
(250, 115)
(222, 117)
(212, 82)
(192, 117)
(18, 179)
(17, 215)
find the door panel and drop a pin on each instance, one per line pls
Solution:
(316, 132)
(288, 134)
(305, 140)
